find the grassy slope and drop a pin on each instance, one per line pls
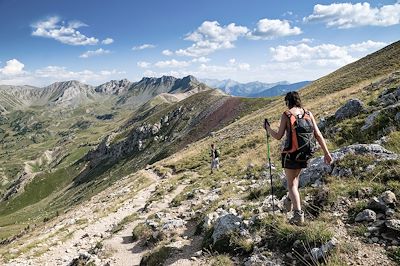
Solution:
(55, 191)
(244, 142)
(24, 142)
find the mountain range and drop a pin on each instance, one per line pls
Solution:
(74, 93)
(254, 89)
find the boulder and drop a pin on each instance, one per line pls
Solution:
(317, 168)
(350, 109)
(391, 111)
(366, 215)
(171, 224)
(393, 224)
(389, 213)
(388, 197)
(370, 120)
(389, 96)
(377, 204)
(321, 252)
(225, 225)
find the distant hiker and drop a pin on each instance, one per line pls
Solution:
(214, 154)
(301, 132)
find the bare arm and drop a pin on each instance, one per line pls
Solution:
(281, 131)
(321, 141)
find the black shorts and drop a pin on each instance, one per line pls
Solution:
(289, 162)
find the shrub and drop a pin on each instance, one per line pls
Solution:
(141, 232)
(221, 260)
(157, 256)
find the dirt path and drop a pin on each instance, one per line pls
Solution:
(81, 239)
(80, 242)
(116, 248)
(123, 251)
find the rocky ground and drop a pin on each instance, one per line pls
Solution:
(181, 227)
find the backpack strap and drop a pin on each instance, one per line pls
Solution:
(293, 144)
(288, 114)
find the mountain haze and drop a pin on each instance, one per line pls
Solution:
(241, 89)
(280, 89)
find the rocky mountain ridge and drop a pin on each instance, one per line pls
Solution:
(72, 94)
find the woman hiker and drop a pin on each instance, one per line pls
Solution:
(292, 159)
(214, 154)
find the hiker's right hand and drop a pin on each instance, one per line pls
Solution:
(328, 158)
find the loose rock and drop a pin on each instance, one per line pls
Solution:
(366, 216)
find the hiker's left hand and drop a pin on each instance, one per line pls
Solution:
(328, 158)
(266, 123)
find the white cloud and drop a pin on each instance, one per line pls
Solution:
(232, 68)
(107, 41)
(238, 66)
(210, 37)
(366, 46)
(323, 54)
(57, 73)
(304, 40)
(244, 66)
(63, 32)
(288, 13)
(172, 64)
(167, 52)
(303, 61)
(143, 46)
(272, 28)
(13, 74)
(201, 60)
(348, 15)
(143, 64)
(13, 67)
(97, 52)
(303, 52)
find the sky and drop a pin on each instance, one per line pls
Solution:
(95, 41)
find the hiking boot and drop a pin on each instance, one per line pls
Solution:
(298, 217)
(287, 204)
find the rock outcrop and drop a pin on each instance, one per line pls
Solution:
(317, 167)
(352, 108)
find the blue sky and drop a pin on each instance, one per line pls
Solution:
(96, 41)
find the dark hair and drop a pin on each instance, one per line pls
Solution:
(292, 99)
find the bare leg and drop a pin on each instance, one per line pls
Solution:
(292, 176)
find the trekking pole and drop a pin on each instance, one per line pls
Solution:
(270, 170)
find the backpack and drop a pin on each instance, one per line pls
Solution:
(216, 153)
(301, 139)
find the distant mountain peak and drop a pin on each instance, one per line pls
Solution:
(68, 83)
(235, 88)
(114, 86)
